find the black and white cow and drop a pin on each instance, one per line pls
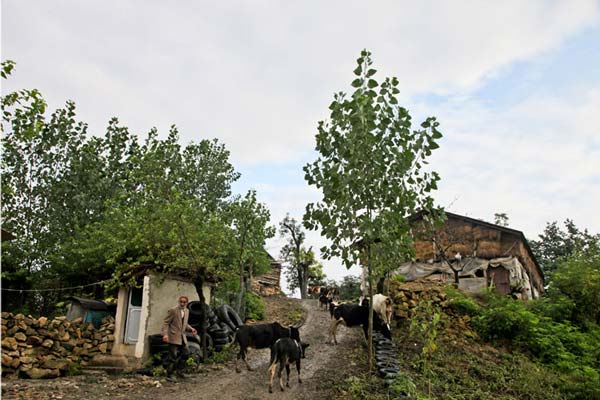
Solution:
(356, 315)
(284, 352)
(261, 336)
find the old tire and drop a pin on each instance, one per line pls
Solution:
(220, 341)
(388, 372)
(228, 315)
(195, 352)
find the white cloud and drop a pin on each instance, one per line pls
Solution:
(538, 160)
(260, 75)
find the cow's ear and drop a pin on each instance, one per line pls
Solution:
(388, 301)
(305, 345)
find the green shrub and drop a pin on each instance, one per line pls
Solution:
(255, 307)
(461, 303)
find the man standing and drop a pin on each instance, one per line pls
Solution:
(174, 326)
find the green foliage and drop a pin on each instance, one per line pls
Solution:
(577, 278)
(350, 287)
(371, 171)
(255, 307)
(74, 369)
(462, 303)
(220, 357)
(191, 366)
(403, 386)
(88, 208)
(159, 371)
(564, 347)
(424, 327)
(295, 316)
(555, 245)
(301, 264)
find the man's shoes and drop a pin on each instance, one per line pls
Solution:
(171, 378)
(182, 375)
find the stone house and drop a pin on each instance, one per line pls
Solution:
(485, 254)
(141, 311)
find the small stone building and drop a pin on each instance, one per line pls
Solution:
(141, 311)
(486, 255)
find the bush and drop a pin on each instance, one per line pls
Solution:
(561, 345)
(255, 307)
(461, 303)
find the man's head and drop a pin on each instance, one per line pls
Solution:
(183, 301)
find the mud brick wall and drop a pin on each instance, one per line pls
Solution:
(42, 348)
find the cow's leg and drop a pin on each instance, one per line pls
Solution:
(272, 373)
(333, 329)
(298, 369)
(247, 363)
(241, 354)
(279, 371)
(287, 370)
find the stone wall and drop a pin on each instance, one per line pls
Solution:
(43, 348)
(408, 295)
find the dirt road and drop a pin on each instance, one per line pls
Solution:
(253, 385)
(216, 382)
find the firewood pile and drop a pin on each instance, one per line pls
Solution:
(42, 348)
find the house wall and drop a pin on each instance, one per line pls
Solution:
(119, 347)
(471, 239)
(161, 294)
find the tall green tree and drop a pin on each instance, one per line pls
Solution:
(250, 223)
(295, 255)
(556, 244)
(85, 208)
(371, 171)
(314, 271)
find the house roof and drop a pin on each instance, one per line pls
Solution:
(496, 227)
(93, 304)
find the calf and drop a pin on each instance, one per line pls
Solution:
(355, 315)
(284, 352)
(261, 336)
(382, 305)
(325, 300)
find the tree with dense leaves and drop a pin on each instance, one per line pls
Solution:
(556, 244)
(297, 258)
(250, 226)
(85, 208)
(314, 274)
(371, 171)
(350, 287)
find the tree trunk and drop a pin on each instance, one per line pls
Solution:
(198, 283)
(370, 339)
(240, 309)
(304, 283)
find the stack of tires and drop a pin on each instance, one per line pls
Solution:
(222, 323)
(386, 360)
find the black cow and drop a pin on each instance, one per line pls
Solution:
(284, 352)
(355, 315)
(261, 336)
(325, 300)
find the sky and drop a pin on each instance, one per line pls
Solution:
(515, 86)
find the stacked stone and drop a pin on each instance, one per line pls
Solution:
(408, 295)
(41, 348)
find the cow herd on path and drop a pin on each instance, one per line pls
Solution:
(286, 346)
